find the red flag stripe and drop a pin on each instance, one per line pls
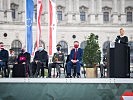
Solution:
(50, 27)
(39, 12)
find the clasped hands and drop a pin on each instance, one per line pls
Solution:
(74, 61)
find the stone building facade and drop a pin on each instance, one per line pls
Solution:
(76, 20)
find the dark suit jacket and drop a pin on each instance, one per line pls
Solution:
(78, 56)
(42, 56)
(123, 40)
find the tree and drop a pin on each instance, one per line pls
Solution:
(92, 53)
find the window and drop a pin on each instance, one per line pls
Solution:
(83, 11)
(129, 12)
(16, 46)
(35, 12)
(14, 8)
(129, 16)
(59, 15)
(13, 13)
(64, 47)
(106, 16)
(82, 16)
(40, 44)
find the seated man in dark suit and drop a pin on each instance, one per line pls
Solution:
(39, 61)
(75, 59)
(4, 55)
(21, 67)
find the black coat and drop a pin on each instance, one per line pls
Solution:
(26, 55)
(123, 40)
(4, 55)
(41, 56)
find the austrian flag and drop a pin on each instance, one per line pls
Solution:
(52, 26)
(128, 95)
(39, 32)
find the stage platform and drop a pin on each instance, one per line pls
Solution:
(65, 88)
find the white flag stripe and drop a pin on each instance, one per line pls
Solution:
(127, 97)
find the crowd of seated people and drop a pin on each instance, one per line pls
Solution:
(22, 66)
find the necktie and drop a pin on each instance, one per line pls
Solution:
(75, 54)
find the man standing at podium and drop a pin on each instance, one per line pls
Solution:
(122, 38)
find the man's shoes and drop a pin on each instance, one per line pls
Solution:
(78, 76)
(49, 77)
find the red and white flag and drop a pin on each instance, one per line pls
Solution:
(127, 95)
(52, 26)
(39, 32)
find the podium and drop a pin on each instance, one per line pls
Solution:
(118, 61)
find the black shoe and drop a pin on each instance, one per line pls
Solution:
(68, 76)
(78, 76)
(49, 77)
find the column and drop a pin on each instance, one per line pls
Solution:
(9, 12)
(123, 14)
(92, 15)
(115, 12)
(76, 2)
(100, 13)
(1, 11)
(0, 4)
(23, 10)
(69, 15)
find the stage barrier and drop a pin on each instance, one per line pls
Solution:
(65, 88)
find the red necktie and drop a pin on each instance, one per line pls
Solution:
(75, 54)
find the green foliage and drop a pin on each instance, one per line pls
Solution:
(92, 53)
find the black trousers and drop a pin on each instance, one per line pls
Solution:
(36, 69)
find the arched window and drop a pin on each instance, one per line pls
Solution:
(83, 45)
(41, 44)
(16, 46)
(106, 14)
(64, 47)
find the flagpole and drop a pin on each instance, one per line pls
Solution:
(37, 35)
(48, 26)
(25, 26)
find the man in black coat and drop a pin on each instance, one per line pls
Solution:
(4, 55)
(21, 67)
(40, 60)
(122, 38)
